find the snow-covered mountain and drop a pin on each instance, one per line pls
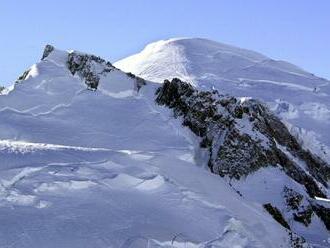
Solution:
(300, 98)
(255, 153)
(109, 168)
(95, 157)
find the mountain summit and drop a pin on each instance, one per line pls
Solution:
(95, 157)
(89, 159)
(195, 58)
(300, 98)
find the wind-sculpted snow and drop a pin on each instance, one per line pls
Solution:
(110, 168)
(243, 73)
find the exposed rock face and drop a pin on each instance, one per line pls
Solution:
(23, 76)
(242, 136)
(298, 206)
(48, 49)
(273, 211)
(323, 213)
(88, 67)
(296, 241)
(91, 68)
(139, 81)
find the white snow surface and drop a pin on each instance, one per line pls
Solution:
(109, 168)
(300, 98)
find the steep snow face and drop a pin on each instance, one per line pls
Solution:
(87, 164)
(299, 97)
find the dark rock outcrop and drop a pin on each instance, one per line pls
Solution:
(304, 216)
(86, 67)
(241, 136)
(48, 49)
(292, 198)
(323, 213)
(139, 81)
(277, 215)
(91, 68)
(23, 76)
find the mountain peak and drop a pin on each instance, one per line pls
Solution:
(48, 49)
(186, 58)
(118, 144)
(209, 46)
(194, 59)
(208, 64)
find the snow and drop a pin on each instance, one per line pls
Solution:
(266, 186)
(243, 73)
(322, 199)
(109, 168)
(317, 111)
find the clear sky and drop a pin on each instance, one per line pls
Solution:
(294, 30)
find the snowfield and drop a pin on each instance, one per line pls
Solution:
(110, 168)
(299, 97)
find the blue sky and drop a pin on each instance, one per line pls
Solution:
(297, 30)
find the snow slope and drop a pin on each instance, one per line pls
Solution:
(110, 168)
(299, 97)
(255, 153)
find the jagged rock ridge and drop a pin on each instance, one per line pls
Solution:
(300, 98)
(243, 136)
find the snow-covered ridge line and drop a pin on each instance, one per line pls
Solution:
(101, 157)
(198, 48)
(26, 147)
(285, 84)
(322, 199)
(243, 137)
(202, 63)
(89, 67)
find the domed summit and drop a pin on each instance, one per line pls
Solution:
(198, 59)
(297, 96)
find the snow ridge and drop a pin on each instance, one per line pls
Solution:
(242, 73)
(242, 138)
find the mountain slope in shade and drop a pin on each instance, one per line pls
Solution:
(300, 98)
(88, 159)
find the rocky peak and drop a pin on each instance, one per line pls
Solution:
(48, 49)
(243, 136)
(89, 67)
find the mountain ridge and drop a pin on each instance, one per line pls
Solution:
(105, 159)
(298, 97)
(82, 140)
(213, 47)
